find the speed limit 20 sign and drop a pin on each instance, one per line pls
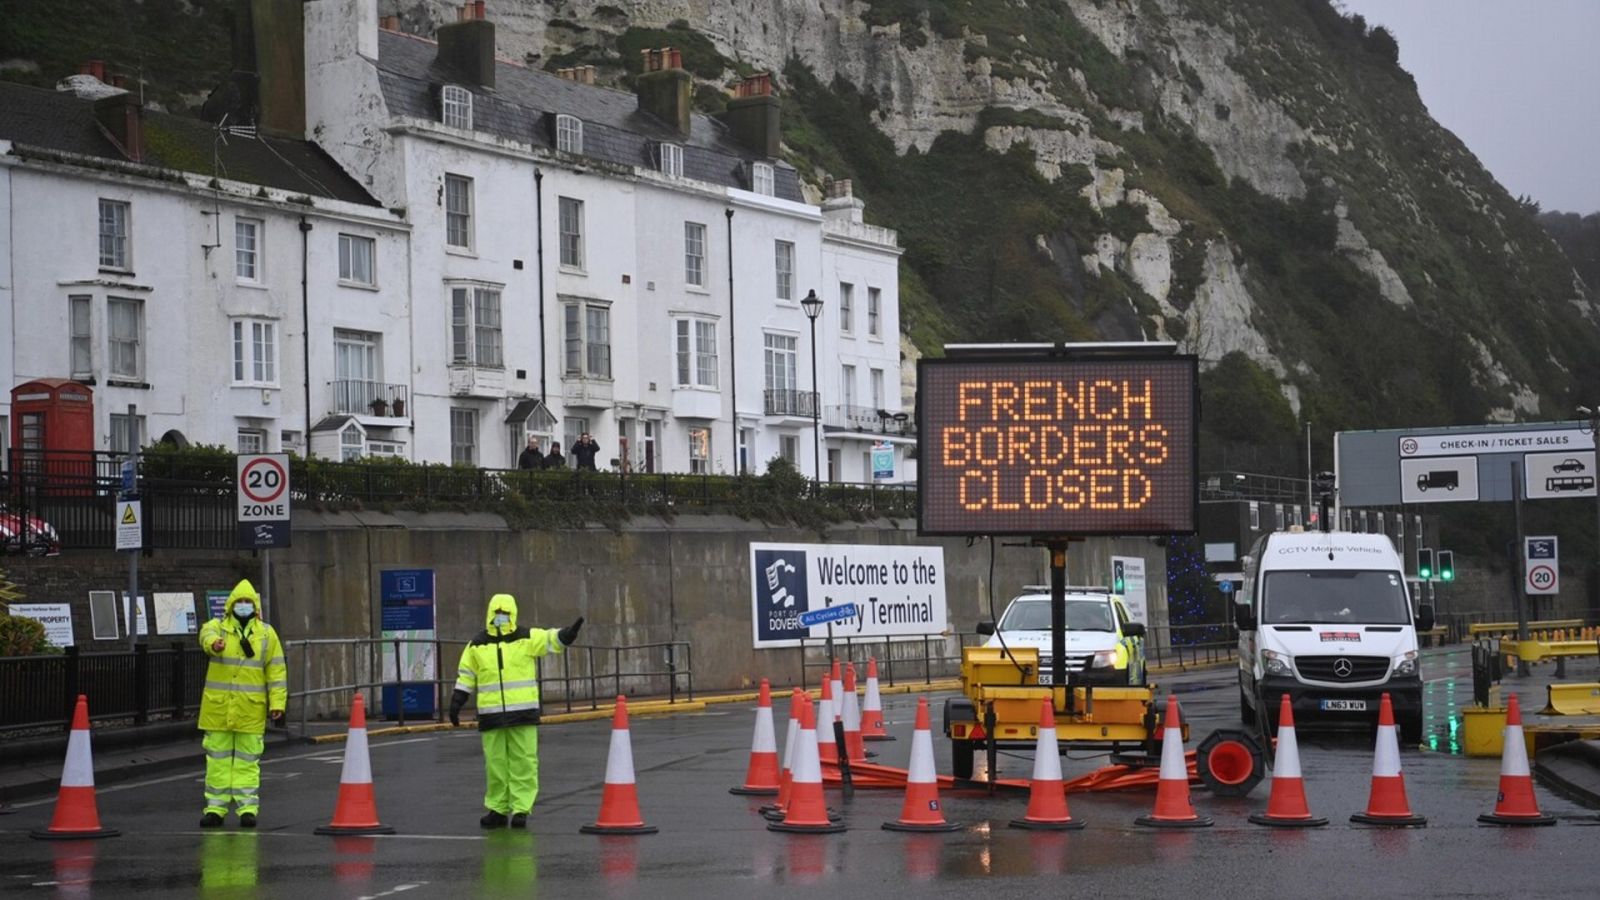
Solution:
(1542, 567)
(262, 488)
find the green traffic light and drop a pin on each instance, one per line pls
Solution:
(1447, 565)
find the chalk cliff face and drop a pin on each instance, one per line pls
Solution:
(1251, 176)
(1244, 176)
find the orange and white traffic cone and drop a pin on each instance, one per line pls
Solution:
(827, 746)
(1173, 809)
(1047, 796)
(872, 708)
(774, 810)
(76, 816)
(854, 748)
(1386, 804)
(619, 801)
(1515, 804)
(357, 809)
(921, 811)
(761, 778)
(1287, 807)
(807, 812)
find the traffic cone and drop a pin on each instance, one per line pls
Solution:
(775, 809)
(1387, 805)
(1173, 809)
(1047, 796)
(761, 778)
(827, 747)
(872, 709)
(806, 813)
(1515, 804)
(357, 809)
(619, 801)
(854, 748)
(76, 814)
(1287, 807)
(921, 811)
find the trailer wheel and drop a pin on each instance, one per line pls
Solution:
(1230, 762)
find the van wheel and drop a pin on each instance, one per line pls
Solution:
(961, 759)
(1411, 730)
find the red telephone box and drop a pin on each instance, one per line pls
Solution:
(52, 429)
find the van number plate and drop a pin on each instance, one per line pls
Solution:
(1344, 705)
(1046, 677)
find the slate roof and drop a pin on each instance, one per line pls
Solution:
(62, 122)
(524, 102)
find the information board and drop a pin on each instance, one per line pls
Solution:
(406, 605)
(1061, 446)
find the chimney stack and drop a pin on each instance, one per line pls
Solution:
(466, 46)
(840, 204)
(663, 88)
(95, 67)
(752, 116)
(122, 119)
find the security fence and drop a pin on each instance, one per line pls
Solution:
(152, 681)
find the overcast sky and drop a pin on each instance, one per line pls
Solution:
(1518, 81)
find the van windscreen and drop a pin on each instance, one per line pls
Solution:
(1334, 596)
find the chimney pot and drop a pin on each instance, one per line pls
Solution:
(478, 10)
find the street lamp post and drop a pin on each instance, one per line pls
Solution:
(1593, 415)
(812, 304)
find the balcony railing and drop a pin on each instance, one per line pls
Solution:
(786, 402)
(356, 397)
(869, 419)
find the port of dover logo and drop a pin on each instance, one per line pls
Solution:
(781, 589)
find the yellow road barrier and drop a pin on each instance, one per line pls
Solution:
(1572, 699)
(1481, 628)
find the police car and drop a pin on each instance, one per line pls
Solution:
(1103, 645)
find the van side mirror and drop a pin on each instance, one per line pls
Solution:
(1133, 629)
(1425, 617)
(985, 628)
(1244, 617)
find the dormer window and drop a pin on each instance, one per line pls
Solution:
(761, 179)
(569, 134)
(672, 160)
(456, 107)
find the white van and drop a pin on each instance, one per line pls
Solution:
(1326, 618)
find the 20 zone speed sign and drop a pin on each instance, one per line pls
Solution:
(263, 488)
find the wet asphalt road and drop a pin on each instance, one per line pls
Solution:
(712, 844)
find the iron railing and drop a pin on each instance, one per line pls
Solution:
(325, 671)
(151, 681)
(354, 396)
(788, 402)
(869, 419)
(190, 504)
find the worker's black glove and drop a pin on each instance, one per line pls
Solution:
(458, 699)
(570, 633)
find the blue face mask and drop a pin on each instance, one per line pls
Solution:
(502, 619)
(244, 610)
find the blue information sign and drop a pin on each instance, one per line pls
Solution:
(406, 610)
(828, 614)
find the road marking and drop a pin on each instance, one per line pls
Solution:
(307, 834)
(133, 785)
(394, 890)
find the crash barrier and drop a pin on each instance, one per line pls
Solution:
(1573, 699)
(909, 658)
(1541, 628)
(151, 681)
(189, 502)
(584, 677)
(1539, 650)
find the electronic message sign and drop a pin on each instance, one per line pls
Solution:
(1097, 445)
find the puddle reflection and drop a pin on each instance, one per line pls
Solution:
(229, 869)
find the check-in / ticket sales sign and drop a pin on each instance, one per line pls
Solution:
(1057, 446)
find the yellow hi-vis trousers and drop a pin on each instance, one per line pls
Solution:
(233, 771)
(511, 768)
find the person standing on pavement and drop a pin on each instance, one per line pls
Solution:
(555, 459)
(584, 452)
(246, 682)
(498, 666)
(531, 457)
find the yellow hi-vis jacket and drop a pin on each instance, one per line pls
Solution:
(498, 666)
(240, 689)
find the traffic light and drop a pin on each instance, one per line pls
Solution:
(1447, 565)
(1425, 564)
(1117, 581)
